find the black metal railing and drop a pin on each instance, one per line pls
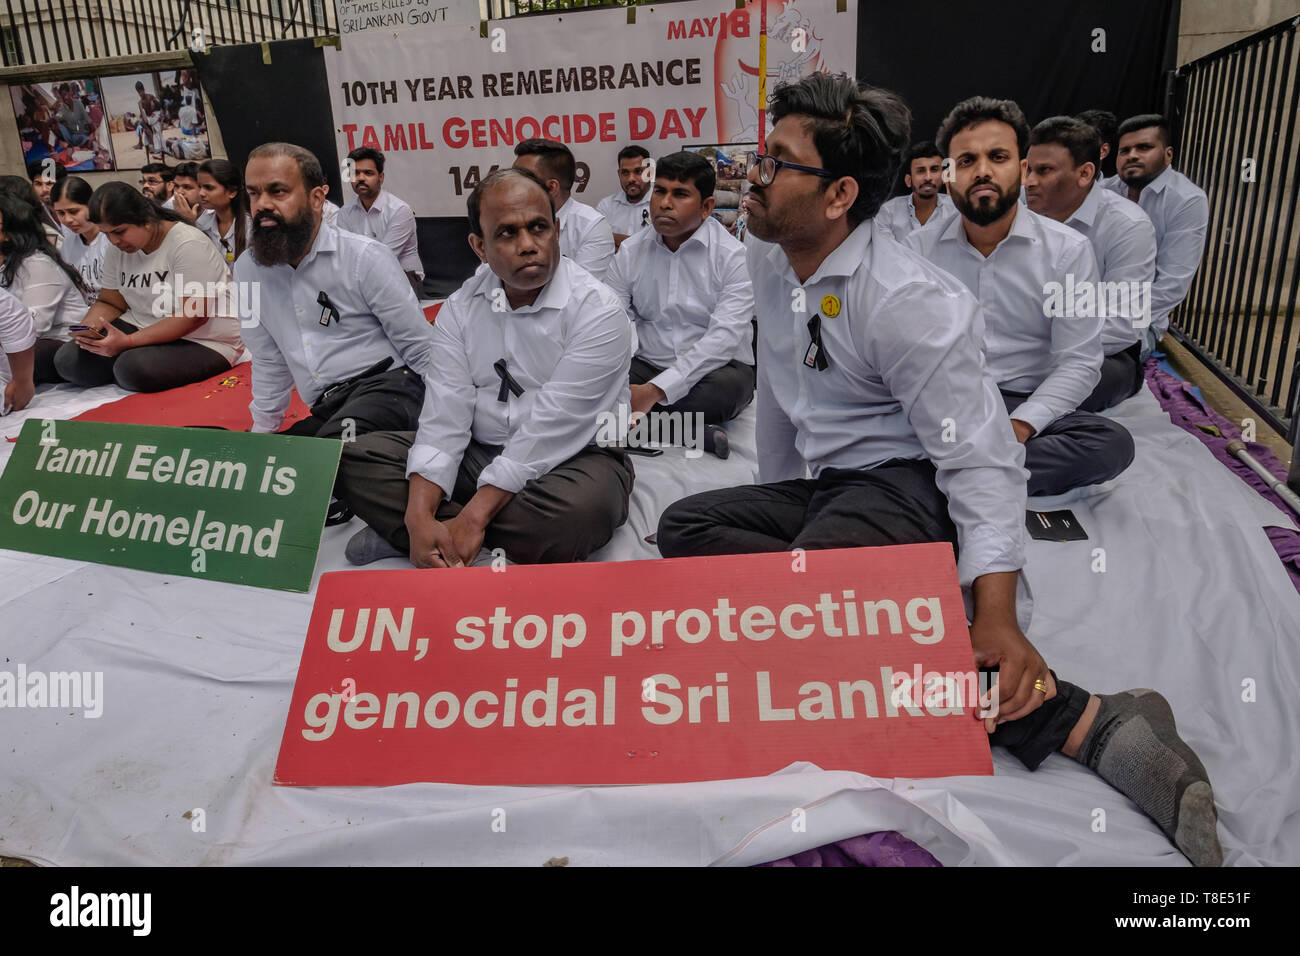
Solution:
(1236, 136)
(39, 32)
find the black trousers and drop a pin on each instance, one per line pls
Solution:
(44, 371)
(386, 401)
(896, 502)
(563, 516)
(149, 368)
(720, 395)
(1073, 451)
(1121, 378)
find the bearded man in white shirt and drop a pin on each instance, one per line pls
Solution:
(585, 236)
(530, 357)
(862, 392)
(924, 203)
(628, 210)
(687, 289)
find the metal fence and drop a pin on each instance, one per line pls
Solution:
(1236, 136)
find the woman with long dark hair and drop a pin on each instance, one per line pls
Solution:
(225, 215)
(84, 244)
(164, 316)
(33, 272)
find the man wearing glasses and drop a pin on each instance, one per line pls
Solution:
(870, 375)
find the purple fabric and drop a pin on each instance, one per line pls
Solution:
(883, 848)
(1176, 398)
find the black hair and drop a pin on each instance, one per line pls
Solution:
(1075, 135)
(491, 181)
(117, 204)
(19, 188)
(1142, 121)
(979, 109)
(1104, 122)
(37, 169)
(922, 150)
(688, 167)
(74, 189)
(557, 159)
(139, 85)
(25, 236)
(370, 153)
(228, 176)
(162, 169)
(859, 131)
(187, 169)
(633, 152)
(308, 165)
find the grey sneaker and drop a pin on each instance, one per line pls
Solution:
(367, 546)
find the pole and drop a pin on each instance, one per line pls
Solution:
(762, 77)
(1278, 486)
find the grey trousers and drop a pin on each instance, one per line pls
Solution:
(1075, 450)
(1121, 378)
(720, 395)
(563, 516)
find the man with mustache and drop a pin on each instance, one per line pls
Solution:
(924, 203)
(628, 210)
(529, 355)
(1177, 207)
(332, 315)
(1008, 255)
(685, 285)
(381, 215)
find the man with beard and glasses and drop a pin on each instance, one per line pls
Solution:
(924, 203)
(1046, 361)
(529, 356)
(326, 310)
(863, 393)
(1176, 206)
(1060, 180)
(381, 215)
(628, 210)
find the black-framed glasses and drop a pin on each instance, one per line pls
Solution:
(768, 166)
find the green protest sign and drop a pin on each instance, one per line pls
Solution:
(229, 506)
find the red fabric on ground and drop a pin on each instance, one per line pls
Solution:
(431, 312)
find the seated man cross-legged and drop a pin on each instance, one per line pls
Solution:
(528, 357)
(907, 438)
(687, 289)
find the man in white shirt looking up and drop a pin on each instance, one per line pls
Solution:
(378, 214)
(1177, 207)
(529, 356)
(1060, 183)
(585, 236)
(864, 395)
(1046, 361)
(924, 203)
(687, 289)
(628, 210)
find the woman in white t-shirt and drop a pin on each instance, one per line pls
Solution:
(224, 203)
(33, 272)
(164, 316)
(84, 244)
(17, 338)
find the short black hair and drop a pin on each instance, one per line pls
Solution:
(1142, 121)
(370, 153)
(1079, 138)
(633, 152)
(688, 167)
(557, 159)
(187, 169)
(491, 181)
(978, 109)
(36, 171)
(922, 150)
(308, 165)
(859, 131)
(1103, 121)
(162, 169)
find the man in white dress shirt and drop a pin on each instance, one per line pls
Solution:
(1046, 360)
(686, 287)
(585, 236)
(628, 210)
(924, 203)
(863, 392)
(529, 356)
(377, 213)
(1177, 207)
(1060, 179)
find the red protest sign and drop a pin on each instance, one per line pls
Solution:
(638, 672)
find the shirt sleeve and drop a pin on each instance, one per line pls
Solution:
(1130, 258)
(40, 284)
(447, 416)
(17, 331)
(588, 379)
(1178, 258)
(618, 278)
(393, 303)
(401, 238)
(597, 249)
(778, 455)
(1076, 351)
(272, 380)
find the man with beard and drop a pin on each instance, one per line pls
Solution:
(1046, 361)
(332, 313)
(1177, 207)
(381, 215)
(628, 210)
(1061, 183)
(863, 393)
(157, 181)
(529, 356)
(923, 203)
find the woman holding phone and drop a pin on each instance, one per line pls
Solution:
(163, 318)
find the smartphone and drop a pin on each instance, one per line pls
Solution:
(98, 333)
(644, 452)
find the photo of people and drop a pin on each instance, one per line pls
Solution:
(156, 117)
(63, 120)
(731, 166)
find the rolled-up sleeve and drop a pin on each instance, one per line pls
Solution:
(448, 412)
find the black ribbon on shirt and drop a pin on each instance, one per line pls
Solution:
(508, 383)
(645, 217)
(328, 311)
(815, 357)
